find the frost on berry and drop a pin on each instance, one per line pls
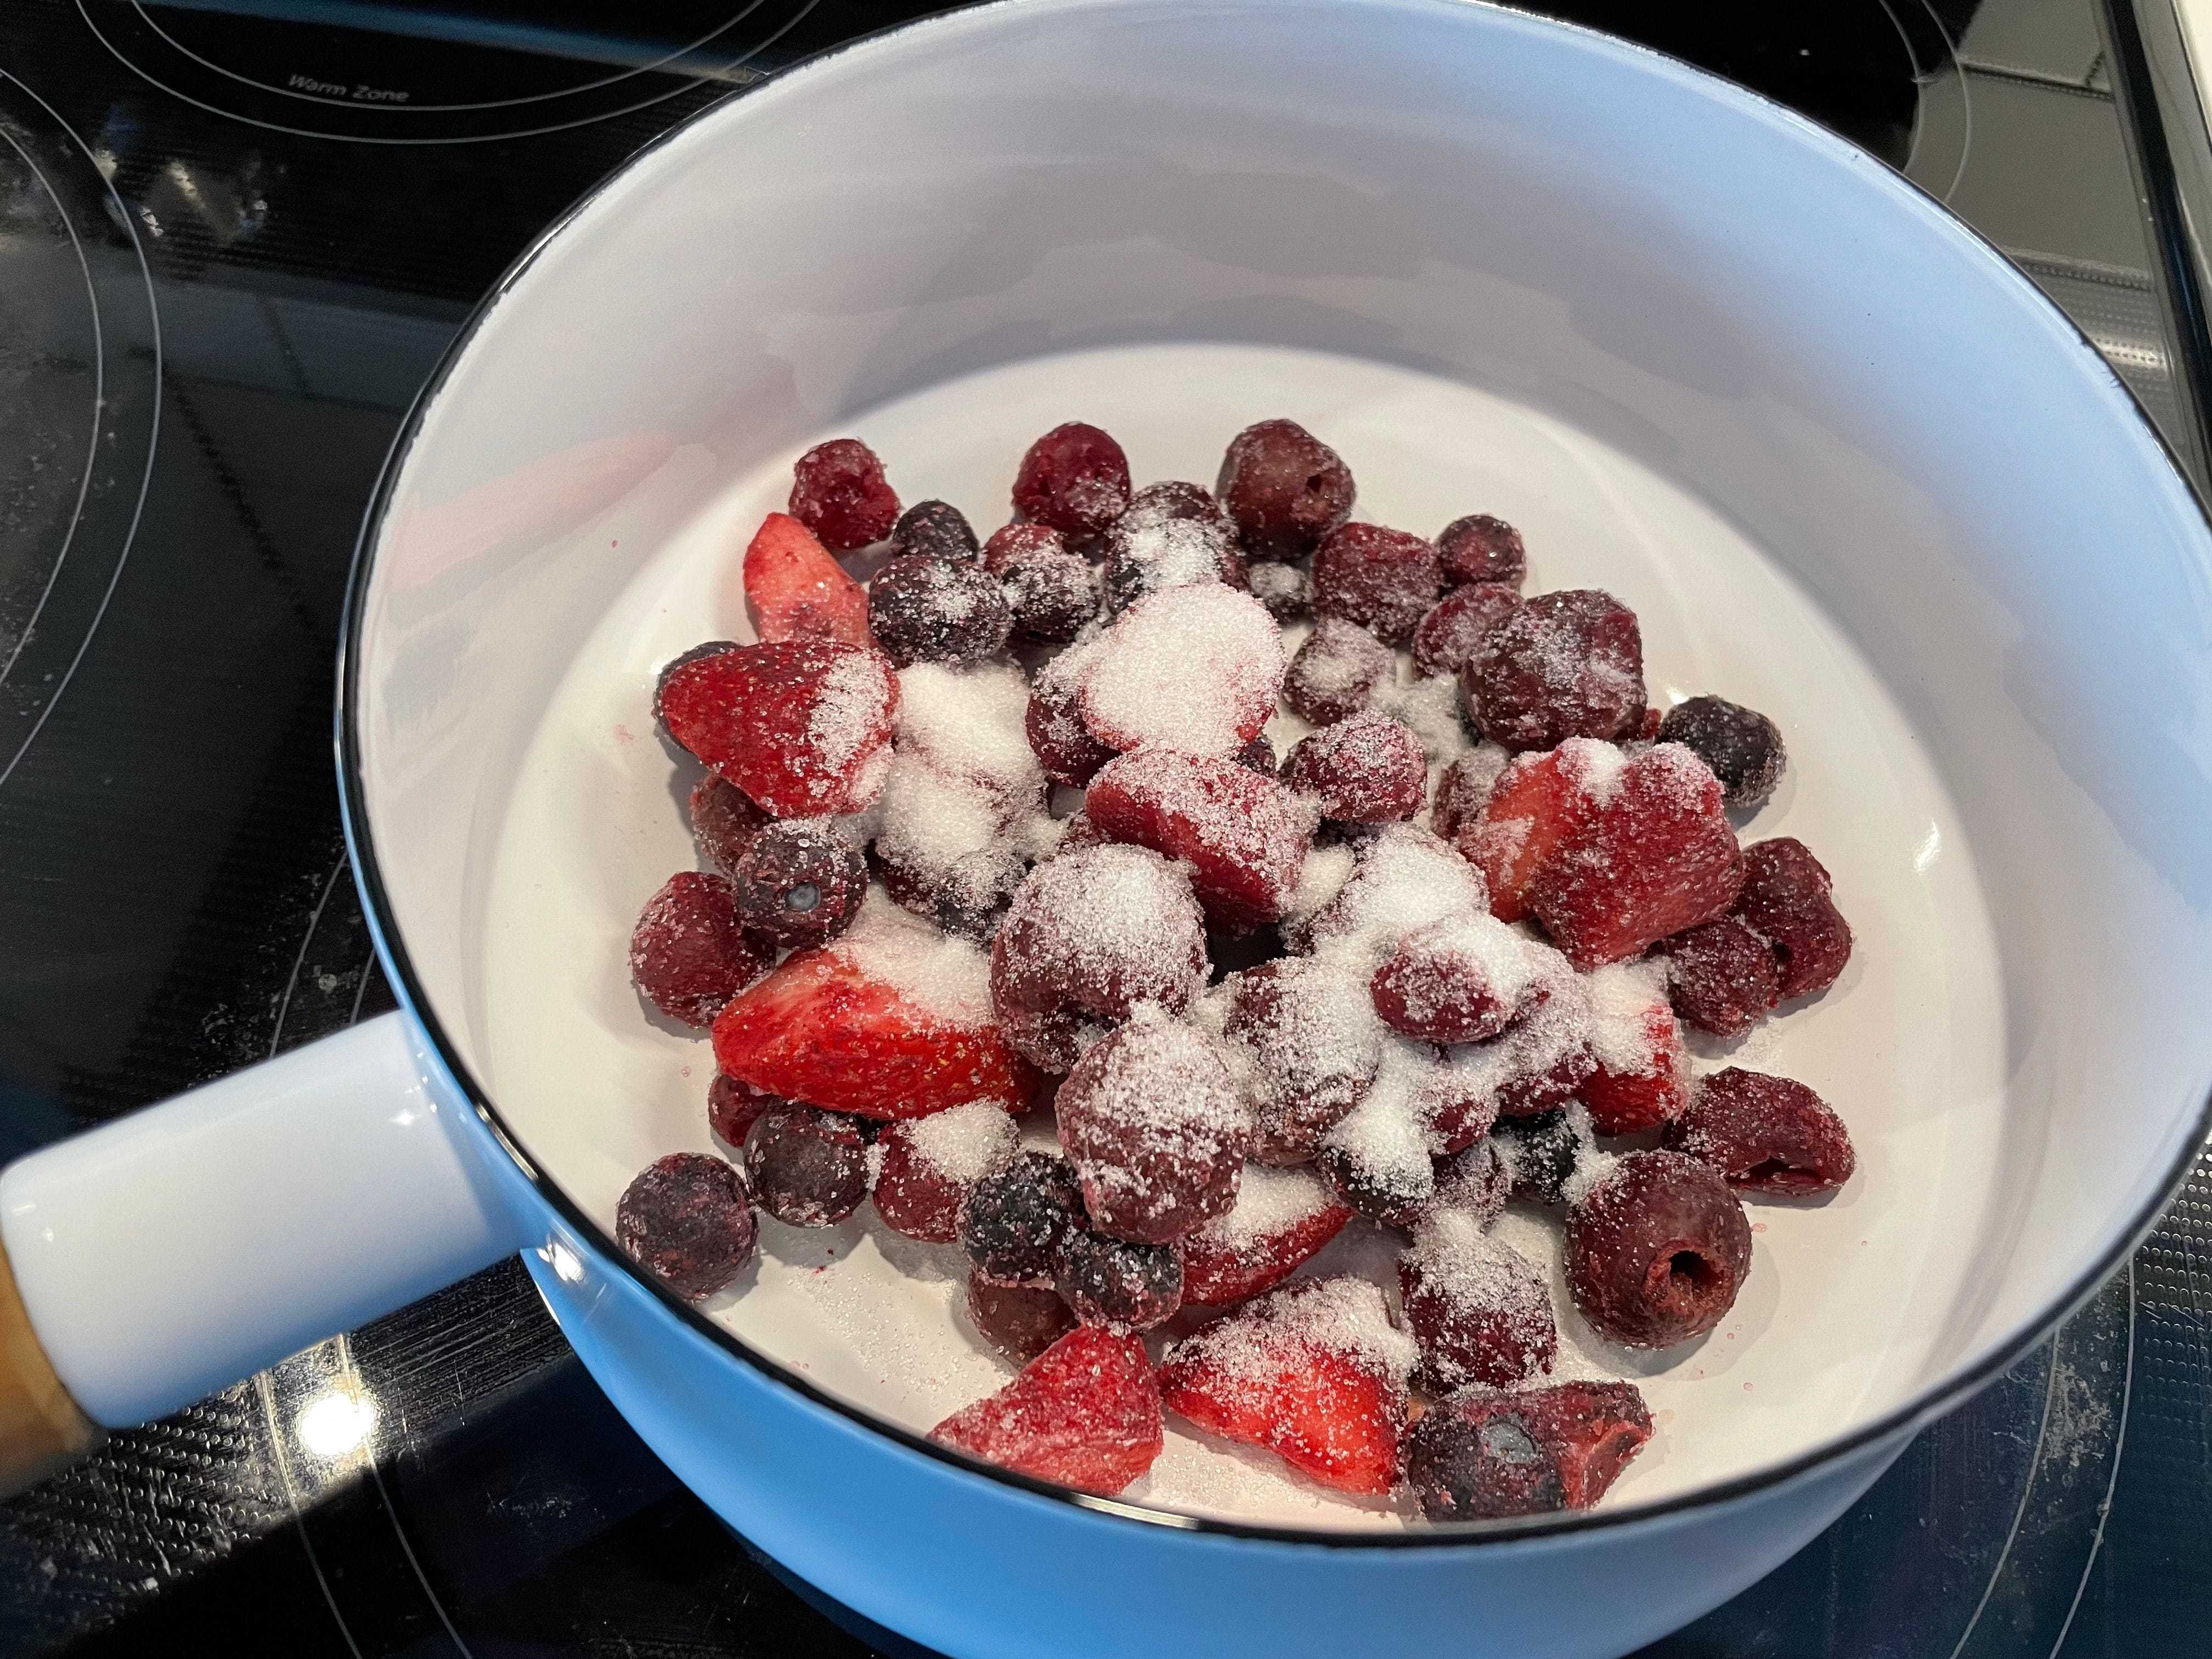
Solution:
(1446, 639)
(1285, 488)
(1243, 834)
(1786, 899)
(838, 492)
(1097, 931)
(1764, 1134)
(687, 1221)
(1014, 1217)
(1383, 580)
(1050, 593)
(1722, 977)
(926, 609)
(723, 821)
(1172, 535)
(1481, 1312)
(1464, 979)
(1281, 1219)
(1120, 1284)
(1741, 746)
(936, 529)
(1365, 768)
(1075, 478)
(1480, 548)
(1337, 671)
(929, 1166)
(1463, 790)
(1565, 665)
(1057, 735)
(1283, 588)
(1308, 1044)
(1657, 1249)
(800, 882)
(808, 1168)
(689, 953)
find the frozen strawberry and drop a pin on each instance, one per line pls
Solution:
(1764, 1134)
(1464, 789)
(1155, 1129)
(838, 492)
(1479, 1310)
(1461, 980)
(1085, 1413)
(1480, 548)
(931, 1163)
(723, 821)
(1311, 1044)
(1786, 900)
(1566, 665)
(689, 953)
(1365, 769)
(1657, 856)
(675, 666)
(1537, 802)
(1657, 1249)
(1444, 643)
(1314, 1371)
(1075, 478)
(1061, 743)
(1336, 671)
(1193, 668)
(1722, 977)
(795, 591)
(1285, 488)
(1642, 1075)
(1281, 1219)
(1383, 580)
(1020, 1321)
(1244, 835)
(802, 727)
(1097, 931)
(1483, 1454)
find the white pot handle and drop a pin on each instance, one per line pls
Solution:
(176, 1250)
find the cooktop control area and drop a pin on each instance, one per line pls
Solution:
(235, 236)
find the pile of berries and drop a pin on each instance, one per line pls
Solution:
(975, 835)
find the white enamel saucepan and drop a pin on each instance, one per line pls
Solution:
(1849, 466)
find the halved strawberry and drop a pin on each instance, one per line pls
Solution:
(1281, 1219)
(821, 1030)
(1657, 856)
(804, 726)
(1642, 1075)
(1315, 1372)
(1538, 802)
(795, 591)
(1245, 834)
(1085, 1413)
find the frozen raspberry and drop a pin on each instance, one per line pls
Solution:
(1244, 835)
(1642, 1078)
(1785, 900)
(1193, 668)
(1656, 1251)
(802, 727)
(1061, 743)
(1566, 665)
(1383, 580)
(930, 1164)
(838, 492)
(732, 1106)
(1543, 1151)
(689, 955)
(1172, 535)
(1285, 488)
(1536, 803)
(1365, 768)
(1074, 478)
(676, 665)
(1020, 1321)
(1444, 642)
(1480, 1311)
(809, 1168)
(1742, 746)
(926, 610)
(1722, 978)
(1336, 671)
(1097, 931)
(1484, 1454)
(1119, 1284)
(935, 529)
(801, 882)
(1155, 1129)
(1481, 548)
(1050, 593)
(1014, 1219)
(1259, 755)
(1764, 1134)
(1313, 1048)
(1283, 588)
(724, 821)
(795, 591)
(1281, 1219)
(1085, 1412)
(1462, 980)
(686, 1220)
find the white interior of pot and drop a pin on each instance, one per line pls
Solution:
(1847, 466)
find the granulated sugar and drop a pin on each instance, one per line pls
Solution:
(1431, 706)
(1623, 999)
(1269, 1203)
(969, 722)
(1405, 878)
(1195, 668)
(1583, 1356)
(1279, 1333)
(856, 693)
(963, 1143)
(940, 973)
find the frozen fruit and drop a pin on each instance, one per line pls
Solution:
(1020, 1321)
(1786, 900)
(1063, 743)
(1193, 668)
(1098, 931)
(1657, 856)
(1592, 1430)
(1380, 1156)
(927, 609)
(1283, 588)
(1384, 579)
(1722, 977)
(1475, 1180)
(1311, 1045)
(1176, 498)
(1050, 593)
(1365, 768)
(800, 882)
(1657, 1248)
(930, 1163)
(1051, 1039)
(1285, 488)
(1480, 548)
(732, 1106)
(724, 821)
(1014, 1219)
(1166, 539)
(795, 591)
(1461, 980)
(686, 1220)
(1565, 665)
(1403, 877)
(1543, 1152)
(1243, 834)
(1155, 1126)
(1122, 1286)
(838, 492)
(1281, 1219)
(1481, 1454)
(1017, 540)
(1643, 1071)
(1075, 478)
(1337, 671)
(936, 529)
(689, 953)
(1764, 1134)
(802, 727)
(1534, 804)
(677, 665)
(1260, 756)
(1480, 1311)
(1444, 642)
(1463, 790)
(1314, 1371)
(1741, 746)
(1537, 1063)
(1085, 1413)
(809, 1168)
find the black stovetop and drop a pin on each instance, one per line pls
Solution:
(234, 237)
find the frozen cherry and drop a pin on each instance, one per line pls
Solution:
(690, 954)
(1171, 536)
(1338, 668)
(1300, 1023)
(1020, 1321)
(1174, 498)
(1054, 724)
(1742, 746)
(1098, 931)
(1014, 1220)
(1155, 1128)
(1445, 640)
(1564, 665)
(838, 492)
(924, 610)
(1050, 593)
(1382, 1195)
(1464, 790)
(935, 529)
(1074, 478)
(668, 671)
(1481, 548)
(801, 882)
(1283, 588)
(1463, 979)
(1383, 580)
(724, 821)
(1122, 1286)
(1480, 1454)
(1365, 768)
(1479, 1310)
(1721, 977)
(1656, 1251)
(1285, 488)
(686, 1220)
(1543, 1151)
(1785, 900)
(809, 1167)
(1764, 1134)
(733, 1104)
(1475, 1180)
